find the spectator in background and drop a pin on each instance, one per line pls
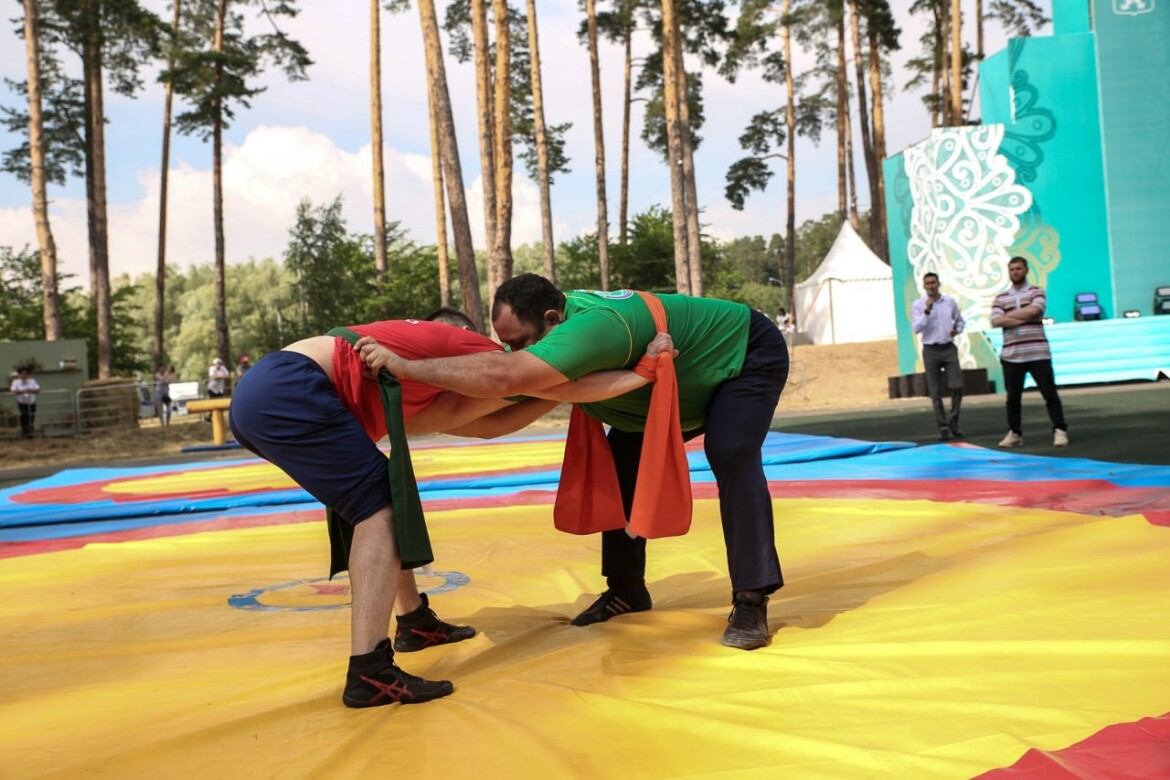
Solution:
(163, 376)
(936, 318)
(217, 377)
(243, 367)
(1020, 312)
(784, 321)
(25, 388)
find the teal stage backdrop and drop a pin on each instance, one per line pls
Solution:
(1069, 169)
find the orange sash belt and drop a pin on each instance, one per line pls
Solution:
(589, 498)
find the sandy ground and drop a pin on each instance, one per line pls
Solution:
(826, 377)
(840, 376)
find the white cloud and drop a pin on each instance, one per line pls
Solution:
(265, 178)
(311, 140)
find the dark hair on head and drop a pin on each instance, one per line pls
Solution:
(929, 274)
(529, 297)
(1018, 260)
(451, 317)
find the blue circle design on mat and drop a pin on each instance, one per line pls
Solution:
(252, 599)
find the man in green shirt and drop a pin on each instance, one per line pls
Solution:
(732, 364)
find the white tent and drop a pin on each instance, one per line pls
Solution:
(850, 297)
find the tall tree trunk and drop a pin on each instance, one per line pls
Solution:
(376, 137)
(487, 164)
(936, 117)
(98, 213)
(790, 124)
(694, 244)
(878, 212)
(440, 202)
(871, 166)
(452, 170)
(546, 232)
(956, 64)
(943, 37)
(160, 279)
(36, 147)
(501, 255)
(598, 145)
(842, 116)
(854, 220)
(671, 90)
(222, 337)
(979, 30)
(627, 104)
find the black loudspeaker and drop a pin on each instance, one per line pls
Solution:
(1086, 307)
(975, 381)
(1162, 300)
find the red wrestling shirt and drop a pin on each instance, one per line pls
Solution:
(413, 340)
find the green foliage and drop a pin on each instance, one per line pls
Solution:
(722, 278)
(744, 175)
(528, 259)
(128, 355)
(646, 262)
(22, 313)
(327, 279)
(1020, 18)
(21, 304)
(130, 36)
(411, 289)
(578, 263)
(654, 116)
(63, 114)
(765, 297)
(758, 261)
(334, 272)
(214, 82)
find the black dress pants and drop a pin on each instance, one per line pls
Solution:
(738, 418)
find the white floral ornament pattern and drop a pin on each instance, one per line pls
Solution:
(966, 215)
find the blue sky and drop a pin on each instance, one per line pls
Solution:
(311, 140)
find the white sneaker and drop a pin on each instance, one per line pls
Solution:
(1013, 439)
(1059, 438)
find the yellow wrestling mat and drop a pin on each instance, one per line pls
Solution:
(914, 639)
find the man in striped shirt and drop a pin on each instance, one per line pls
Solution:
(1020, 311)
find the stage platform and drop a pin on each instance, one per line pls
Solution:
(1099, 351)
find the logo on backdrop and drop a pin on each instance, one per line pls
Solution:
(323, 593)
(1132, 7)
(615, 295)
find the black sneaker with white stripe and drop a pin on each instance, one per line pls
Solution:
(613, 603)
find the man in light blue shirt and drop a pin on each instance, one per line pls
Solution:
(937, 319)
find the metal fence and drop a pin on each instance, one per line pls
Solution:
(105, 406)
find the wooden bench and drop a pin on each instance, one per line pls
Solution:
(217, 408)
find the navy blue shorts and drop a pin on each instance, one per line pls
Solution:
(286, 410)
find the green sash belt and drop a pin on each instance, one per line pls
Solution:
(414, 544)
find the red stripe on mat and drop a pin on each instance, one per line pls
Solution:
(1123, 751)
(1090, 497)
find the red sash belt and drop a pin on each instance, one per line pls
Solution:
(589, 498)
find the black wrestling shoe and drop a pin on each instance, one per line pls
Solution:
(422, 628)
(613, 603)
(374, 680)
(748, 622)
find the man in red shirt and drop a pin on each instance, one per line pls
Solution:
(313, 410)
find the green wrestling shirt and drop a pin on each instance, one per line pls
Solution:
(610, 330)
